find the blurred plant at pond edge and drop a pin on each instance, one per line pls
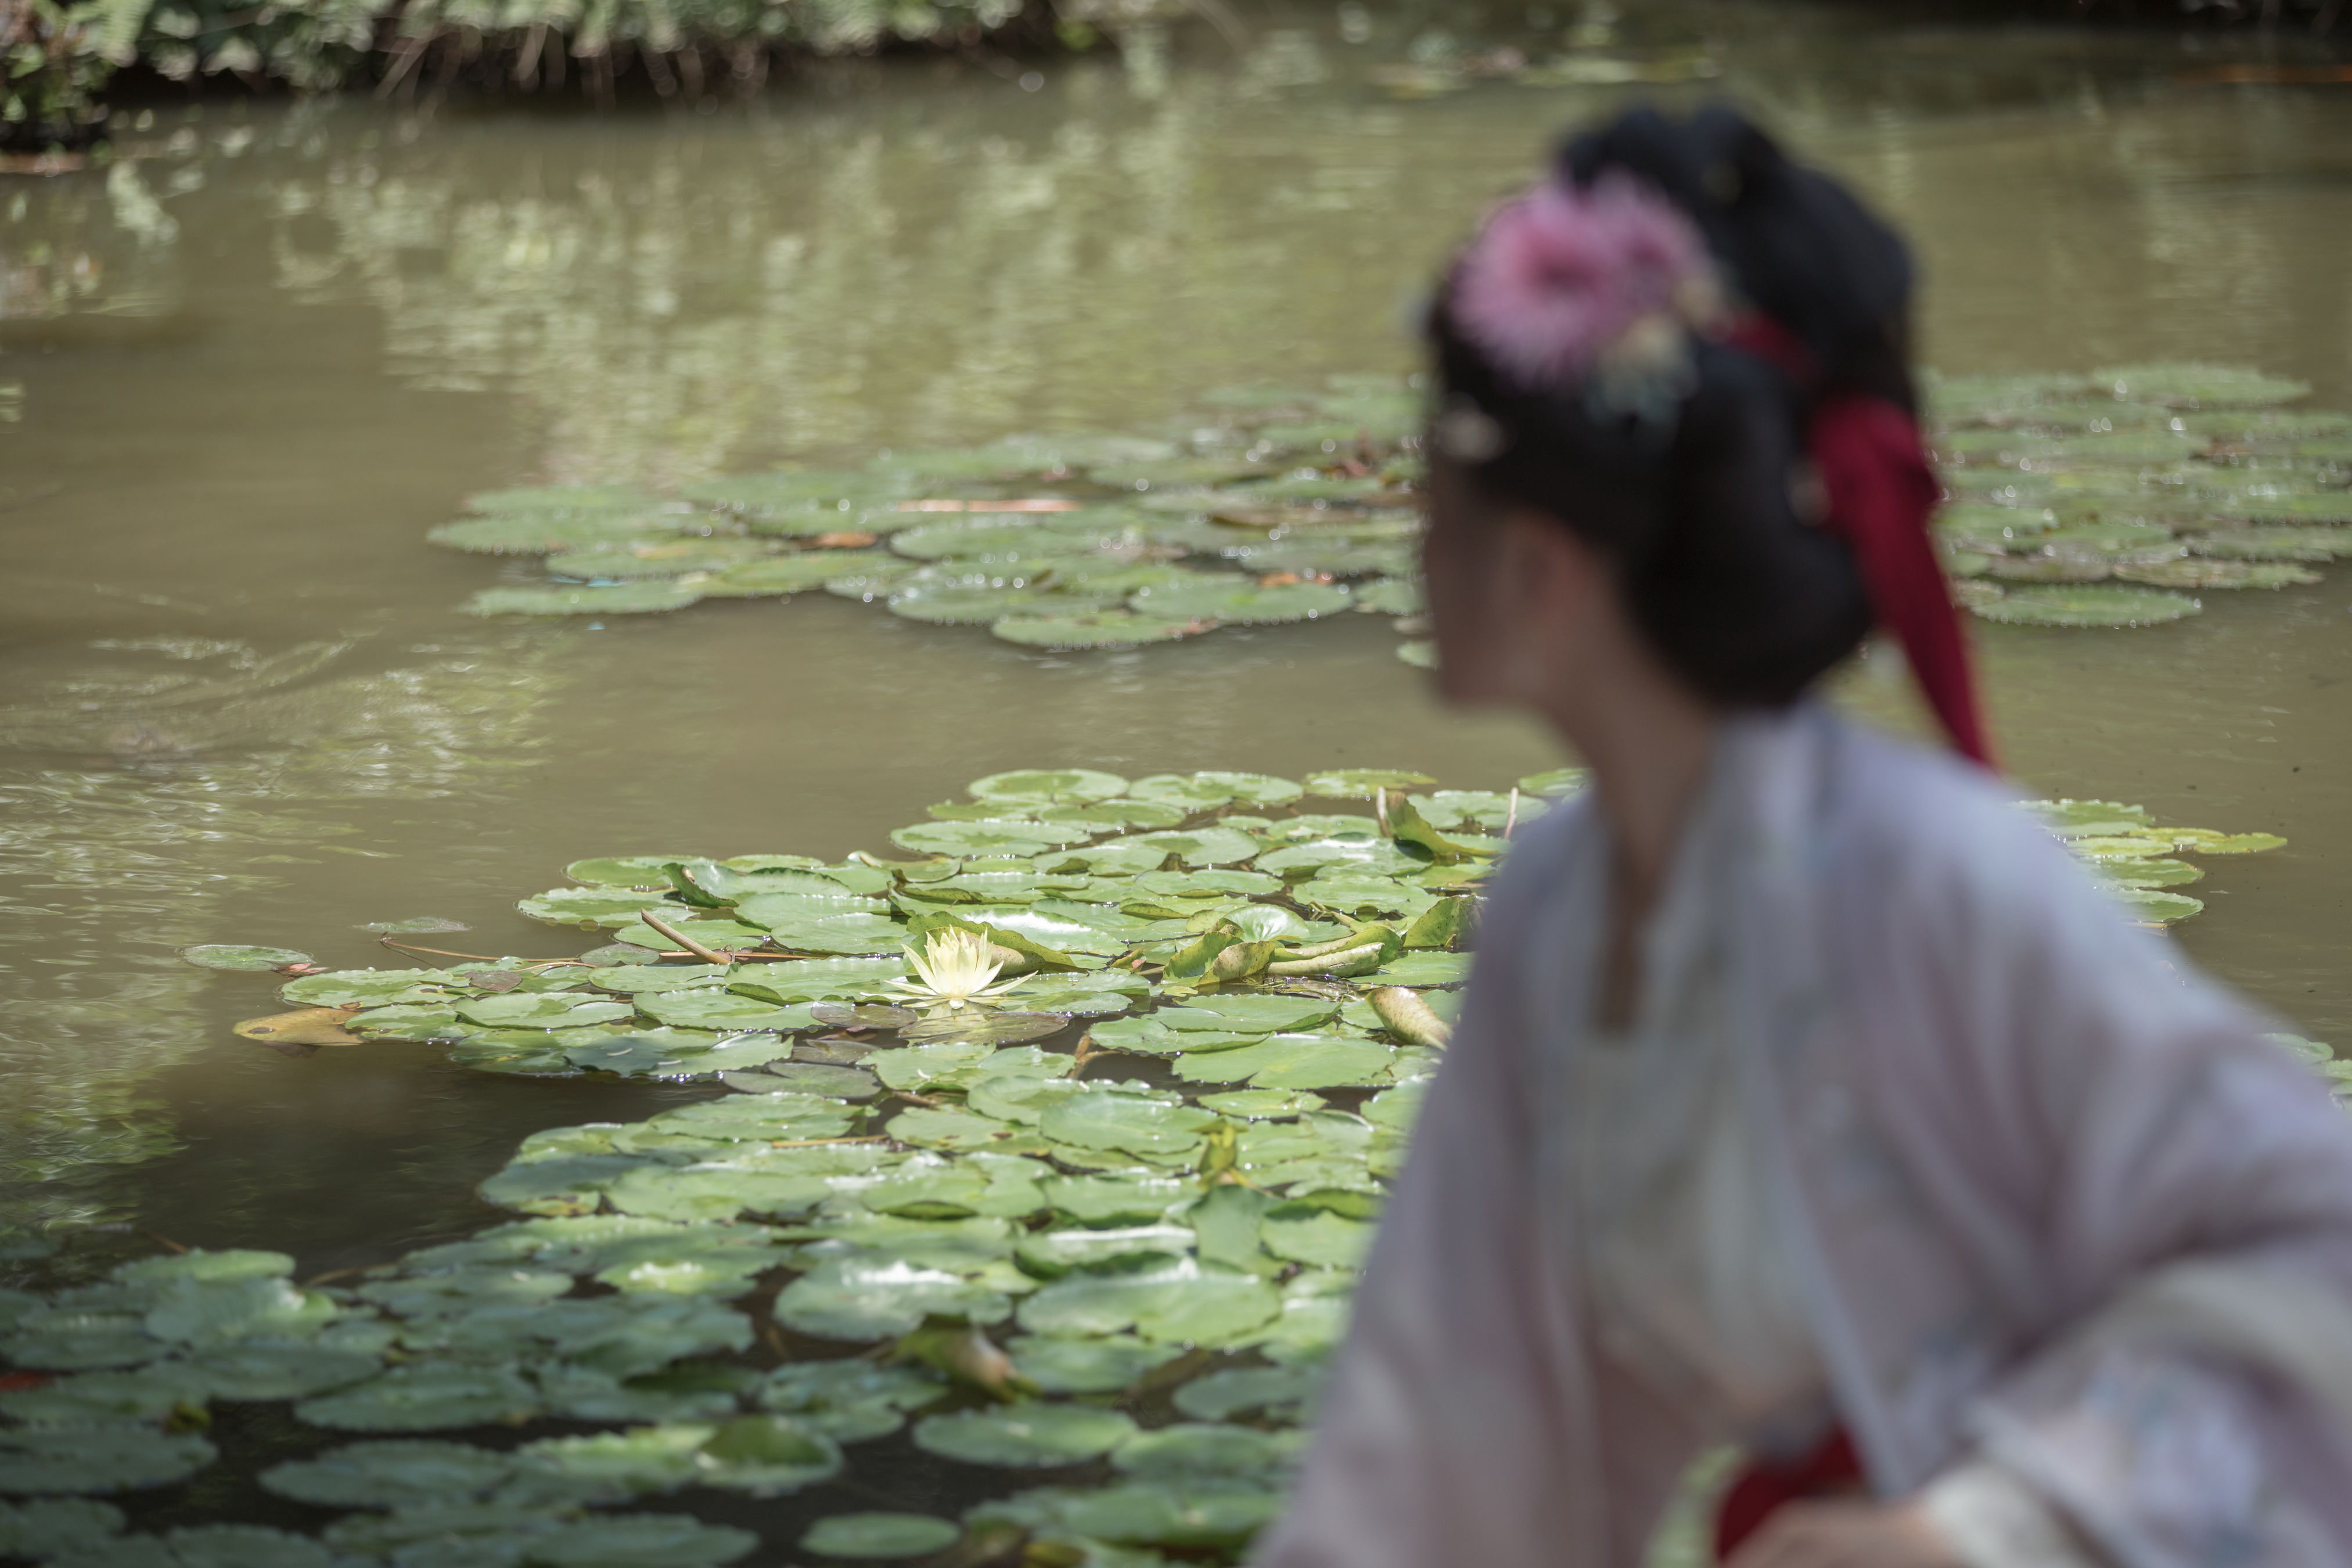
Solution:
(60, 56)
(53, 72)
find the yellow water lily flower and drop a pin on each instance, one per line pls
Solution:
(954, 968)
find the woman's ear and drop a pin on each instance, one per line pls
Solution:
(1558, 579)
(1557, 595)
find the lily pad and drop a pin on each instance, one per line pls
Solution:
(55, 1526)
(640, 1541)
(87, 1459)
(264, 1369)
(93, 1398)
(2154, 907)
(1094, 629)
(626, 871)
(542, 1010)
(1048, 786)
(1420, 968)
(767, 1456)
(1179, 1303)
(1198, 847)
(545, 500)
(1262, 1104)
(1095, 1365)
(1051, 1254)
(1206, 790)
(871, 1298)
(850, 1401)
(369, 987)
(825, 979)
(1292, 1062)
(392, 1474)
(1305, 1233)
(2088, 606)
(493, 1534)
(1392, 596)
(1127, 1198)
(630, 559)
(2188, 384)
(1277, 1391)
(2275, 544)
(422, 1396)
(1242, 603)
(984, 1026)
(1249, 1013)
(1193, 1514)
(1212, 884)
(1024, 1436)
(1135, 1119)
(215, 1546)
(541, 533)
(781, 575)
(2199, 573)
(597, 906)
(211, 1311)
(1196, 1449)
(849, 934)
(716, 935)
(817, 1078)
(1006, 837)
(868, 1536)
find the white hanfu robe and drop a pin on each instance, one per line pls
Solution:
(2057, 1213)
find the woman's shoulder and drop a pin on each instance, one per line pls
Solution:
(1932, 846)
(1930, 809)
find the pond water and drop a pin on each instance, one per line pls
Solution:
(250, 363)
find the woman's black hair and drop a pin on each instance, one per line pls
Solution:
(1722, 565)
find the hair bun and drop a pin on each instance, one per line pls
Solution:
(1793, 243)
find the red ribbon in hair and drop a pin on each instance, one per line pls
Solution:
(1881, 494)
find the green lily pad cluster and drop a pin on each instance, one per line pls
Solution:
(2105, 499)
(1119, 1298)
(1127, 910)
(2141, 862)
(1276, 506)
(1088, 1242)
(2114, 499)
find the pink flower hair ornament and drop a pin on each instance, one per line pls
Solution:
(1602, 283)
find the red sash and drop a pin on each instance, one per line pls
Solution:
(1761, 1488)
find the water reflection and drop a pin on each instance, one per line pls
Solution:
(834, 277)
(186, 773)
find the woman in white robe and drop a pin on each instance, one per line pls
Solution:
(1808, 1093)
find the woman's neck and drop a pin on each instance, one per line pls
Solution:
(1648, 758)
(1643, 780)
(1647, 738)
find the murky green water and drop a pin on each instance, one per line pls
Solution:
(259, 359)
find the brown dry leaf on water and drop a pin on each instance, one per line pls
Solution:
(301, 1031)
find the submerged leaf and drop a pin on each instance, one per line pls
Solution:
(622, 599)
(214, 955)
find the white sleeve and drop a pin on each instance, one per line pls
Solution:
(1993, 1520)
